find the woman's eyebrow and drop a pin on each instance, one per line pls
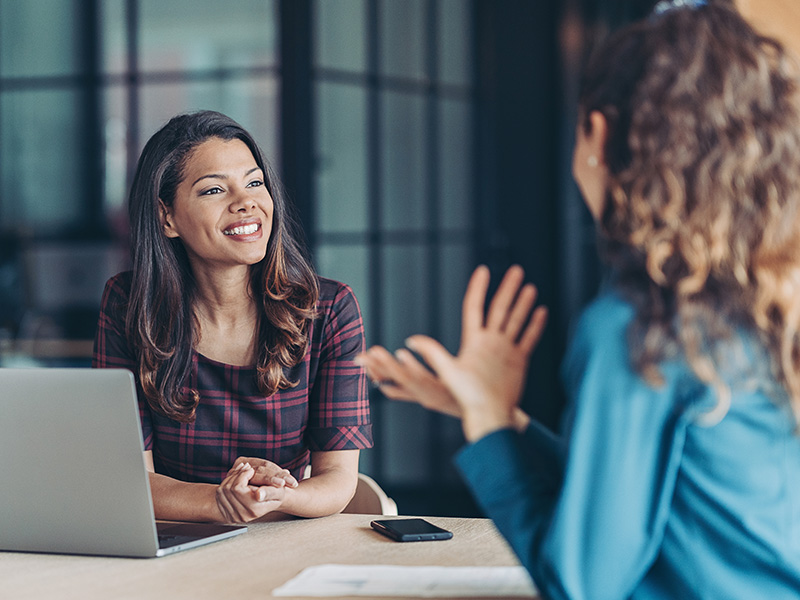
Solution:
(220, 176)
(209, 176)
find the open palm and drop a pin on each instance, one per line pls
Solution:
(487, 377)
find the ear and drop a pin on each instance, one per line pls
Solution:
(597, 136)
(166, 220)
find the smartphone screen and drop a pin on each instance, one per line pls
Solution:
(410, 530)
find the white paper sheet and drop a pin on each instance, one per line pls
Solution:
(424, 582)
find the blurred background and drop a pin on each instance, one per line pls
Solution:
(416, 138)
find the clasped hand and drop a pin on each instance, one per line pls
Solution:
(483, 384)
(252, 488)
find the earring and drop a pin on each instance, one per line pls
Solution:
(592, 161)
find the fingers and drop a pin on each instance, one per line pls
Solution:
(381, 369)
(267, 472)
(268, 493)
(474, 300)
(280, 479)
(510, 310)
(436, 355)
(413, 368)
(397, 375)
(401, 376)
(520, 311)
(505, 298)
(239, 501)
(229, 493)
(380, 364)
(533, 332)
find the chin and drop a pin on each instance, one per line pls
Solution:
(257, 258)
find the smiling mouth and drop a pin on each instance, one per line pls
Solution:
(243, 229)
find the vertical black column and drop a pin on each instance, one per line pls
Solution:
(375, 219)
(92, 124)
(438, 459)
(133, 82)
(517, 163)
(297, 110)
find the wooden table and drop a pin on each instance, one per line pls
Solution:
(247, 566)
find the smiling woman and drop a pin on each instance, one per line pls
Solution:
(243, 356)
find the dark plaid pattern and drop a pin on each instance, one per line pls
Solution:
(327, 410)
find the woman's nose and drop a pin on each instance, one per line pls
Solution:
(242, 202)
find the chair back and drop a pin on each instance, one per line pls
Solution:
(370, 499)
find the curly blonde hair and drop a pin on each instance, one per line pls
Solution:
(701, 219)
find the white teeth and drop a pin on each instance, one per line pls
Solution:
(243, 230)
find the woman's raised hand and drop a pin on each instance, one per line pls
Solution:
(400, 376)
(483, 384)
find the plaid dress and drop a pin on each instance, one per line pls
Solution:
(328, 409)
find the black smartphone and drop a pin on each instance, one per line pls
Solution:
(410, 530)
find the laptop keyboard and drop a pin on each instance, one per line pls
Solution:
(168, 541)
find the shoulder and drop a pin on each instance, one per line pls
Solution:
(118, 289)
(339, 322)
(604, 323)
(114, 307)
(598, 355)
(335, 296)
(598, 370)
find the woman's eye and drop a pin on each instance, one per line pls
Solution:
(211, 191)
(255, 183)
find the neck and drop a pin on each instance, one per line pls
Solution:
(224, 297)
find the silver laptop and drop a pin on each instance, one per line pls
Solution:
(72, 468)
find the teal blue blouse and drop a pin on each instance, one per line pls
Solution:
(642, 497)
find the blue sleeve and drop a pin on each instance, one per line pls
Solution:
(597, 534)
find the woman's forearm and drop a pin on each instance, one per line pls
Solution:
(175, 500)
(320, 495)
(334, 476)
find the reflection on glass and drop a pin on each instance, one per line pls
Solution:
(41, 178)
(40, 37)
(207, 34)
(456, 177)
(402, 38)
(454, 41)
(455, 267)
(341, 162)
(406, 308)
(115, 145)
(113, 35)
(404, 162)
(340, 34)
(253, 102)
(348, 264)
(404, 434)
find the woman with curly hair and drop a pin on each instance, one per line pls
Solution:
(677, 474)
(242, 355)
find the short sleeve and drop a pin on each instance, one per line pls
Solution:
(112, 349)
(339, 416)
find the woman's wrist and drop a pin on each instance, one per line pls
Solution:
(175, 500)
(213, 510)
(480, 423)
(521, 420)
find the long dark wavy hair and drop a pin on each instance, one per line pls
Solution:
(160, 319)
(702, 215)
